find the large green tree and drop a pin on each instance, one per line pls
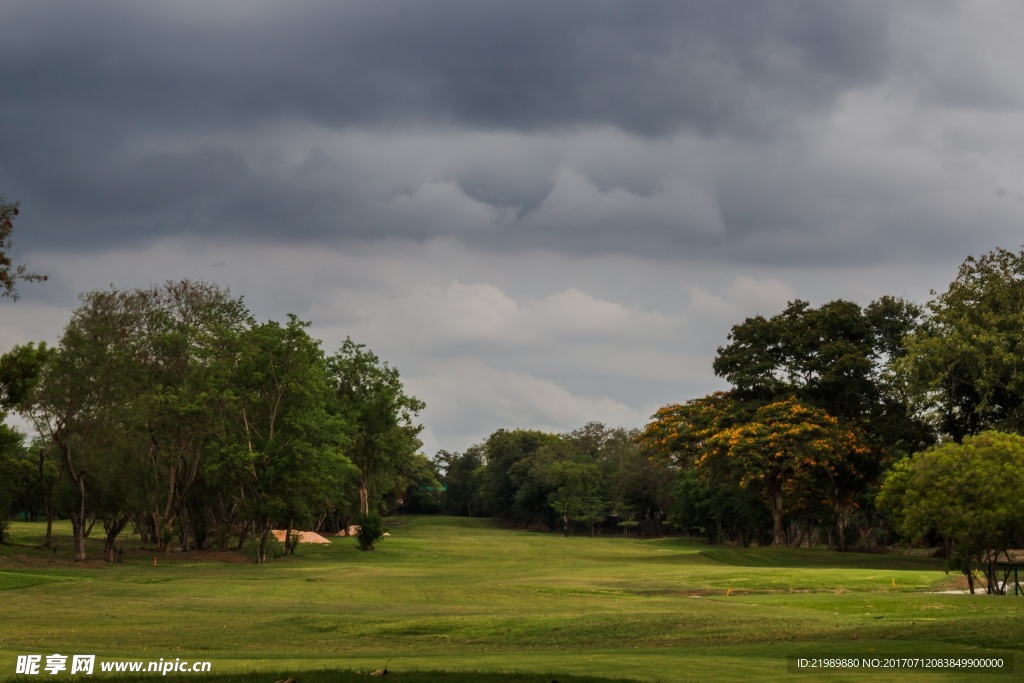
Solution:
(463, 480)
(279, 441)
(150, 354)
(842, 359)
(837, 357)
(968, 493)
(183, 332)
(76, 402)
(380, 416)
(964, 363)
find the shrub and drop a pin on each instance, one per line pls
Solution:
(371, 530)
(274, 549)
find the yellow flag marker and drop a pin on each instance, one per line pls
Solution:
(728, 592)
(894, 582)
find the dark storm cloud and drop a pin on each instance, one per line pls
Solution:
(648, 68)
(122, 121)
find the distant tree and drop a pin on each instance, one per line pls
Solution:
(417, 488)
(10, 274)
(717, 508)
(639, 487)
(579, 492)
(463, 480)
(969, 493)
(513, 487)
(964, 362)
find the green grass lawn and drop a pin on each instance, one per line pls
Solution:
(465, 596)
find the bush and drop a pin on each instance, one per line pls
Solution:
(5, 529)
(274, 549)
(371, 530)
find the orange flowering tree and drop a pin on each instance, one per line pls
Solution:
(793, 457)
(680, 432)
(705, 495)
(792, 452)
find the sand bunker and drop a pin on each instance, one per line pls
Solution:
(304, 536)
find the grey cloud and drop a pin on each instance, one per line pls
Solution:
(649, 68)
(139, 121)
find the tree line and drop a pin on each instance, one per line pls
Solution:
(588, 479)
(831, 432)
(794, 452)
(173, 410)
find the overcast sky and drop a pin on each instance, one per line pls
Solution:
(542, 213)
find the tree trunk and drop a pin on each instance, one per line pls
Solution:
(364, 495)
(991, 575)
(154, 520)
(48, 504)
(289, 542)
(78, 518)
(113, 528)
(778, 533)
(223, 516)
(243, 535)
(78, 530)
(184, 524)
(263, 541)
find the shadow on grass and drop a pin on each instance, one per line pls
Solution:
(808, 558)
